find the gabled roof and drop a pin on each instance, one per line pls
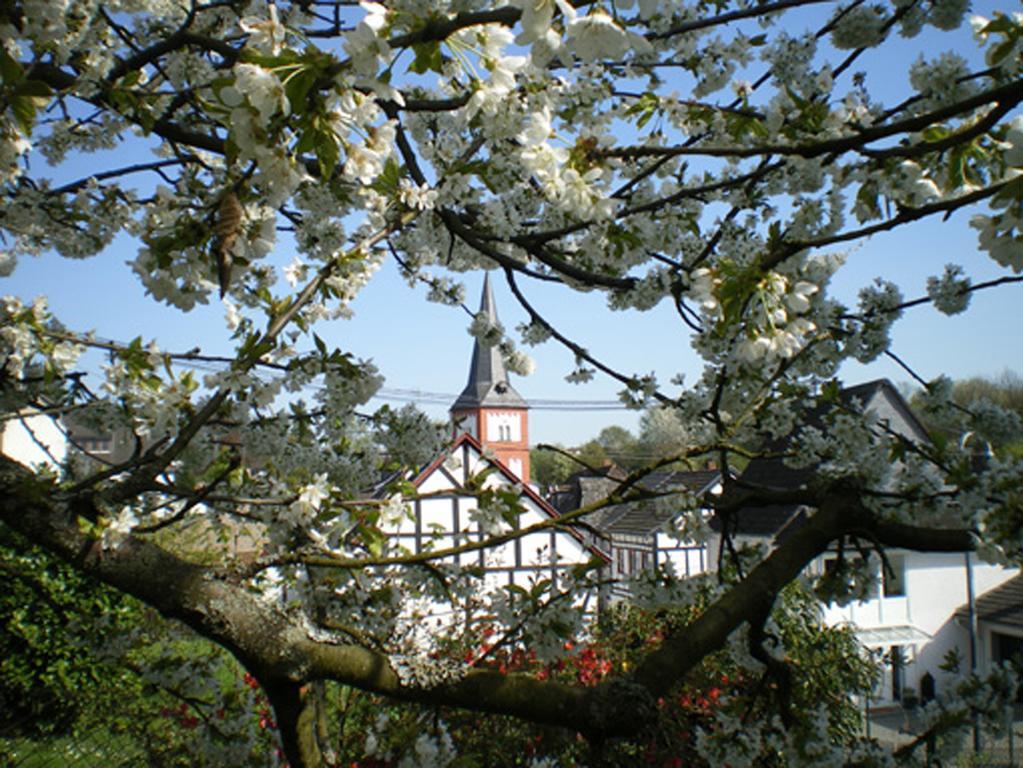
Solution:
(879, 396)
(1001, 605)
(635, 517)
(586, 487)
(647, 517)
(488, 384)
(465, 440)
(868, 394)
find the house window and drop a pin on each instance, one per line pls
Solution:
(893, 576)
(95, 444)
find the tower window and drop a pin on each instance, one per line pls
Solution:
(502, 427)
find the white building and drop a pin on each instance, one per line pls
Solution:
(33, 438)
(639, 535)
(911, 620)
(444, 515)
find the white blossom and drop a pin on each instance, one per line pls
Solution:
(266, 35)
(951, 292)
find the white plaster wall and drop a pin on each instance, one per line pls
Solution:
(437, 519)
(935, 590)
(687, 560)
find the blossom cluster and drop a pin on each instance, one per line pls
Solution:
(654, 151)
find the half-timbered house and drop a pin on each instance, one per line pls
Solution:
(641, 535)
(445, 513)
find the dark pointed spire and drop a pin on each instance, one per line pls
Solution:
(488, 380)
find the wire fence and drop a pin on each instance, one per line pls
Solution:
(897, 727)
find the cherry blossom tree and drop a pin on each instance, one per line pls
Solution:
(717, 156)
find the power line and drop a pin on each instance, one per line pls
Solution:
(418, 396)
(536, 404)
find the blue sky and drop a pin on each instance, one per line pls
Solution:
(423, 346)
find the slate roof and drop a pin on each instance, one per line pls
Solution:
(488, 384)
(772, 473)
(1001, 605)
(646, 517)
(587, 487)
(767, 521)
(634, 517)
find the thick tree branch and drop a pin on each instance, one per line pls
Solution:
(268, 642)
(839, 513)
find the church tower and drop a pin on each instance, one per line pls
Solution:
(488, 408)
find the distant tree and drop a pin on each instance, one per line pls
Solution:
(621, 446)
(987, 409)
(662, 433)
(592, 454)
(551, 467)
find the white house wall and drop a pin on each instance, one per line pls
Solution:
(445, 521)
(442, 517)
(935, 588)
(33, 439)
(686, 559)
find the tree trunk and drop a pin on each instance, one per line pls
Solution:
(296, 713)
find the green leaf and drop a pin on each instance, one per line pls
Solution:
(388, 180)
(646, 106)
(10, 68)
(867, 197)
(956, 167)
(999, 24)
(24, 109)
(1003, 49)
(428, 58)
(516, 589)
(297, 88)
(935, 133)
(327, 153)
(540, 588)
(35, 88)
